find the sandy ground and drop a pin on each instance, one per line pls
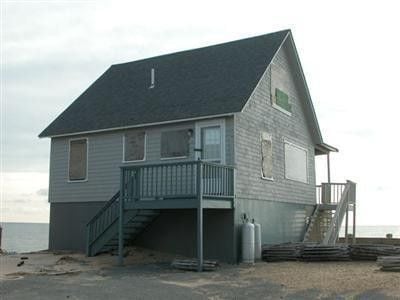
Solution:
(149, 275)
(62, 263)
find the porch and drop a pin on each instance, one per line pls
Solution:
(177, 185)
(146, 189)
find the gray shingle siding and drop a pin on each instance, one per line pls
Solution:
(105, 158)
(280, 205)
(259, 115)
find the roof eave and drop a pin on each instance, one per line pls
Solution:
(324, 148)
(135, 126)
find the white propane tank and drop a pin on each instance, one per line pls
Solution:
(257, 241)
(248, 243)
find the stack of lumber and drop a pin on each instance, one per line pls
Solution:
(389, 263)
(191, 264)
(282, 252)
(325, 253)
(371, 251)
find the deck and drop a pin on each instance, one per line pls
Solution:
(178, 186)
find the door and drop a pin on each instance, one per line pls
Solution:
(210, 146)
(210, 141)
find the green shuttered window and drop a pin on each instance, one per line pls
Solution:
(282, 100)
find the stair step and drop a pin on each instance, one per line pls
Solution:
(135, 224)
(147, 213)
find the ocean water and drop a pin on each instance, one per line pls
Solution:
(26, 237)
(373, 231)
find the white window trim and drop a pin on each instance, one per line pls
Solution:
(175, 157)
(272, 147)
(210, 123)
(144, 150)
(276, 106)
(87, 159)
(286, 141)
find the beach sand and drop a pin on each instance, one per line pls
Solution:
(281, 279)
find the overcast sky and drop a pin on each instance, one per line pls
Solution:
(53, 50)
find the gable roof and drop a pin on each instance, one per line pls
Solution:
(196, 83)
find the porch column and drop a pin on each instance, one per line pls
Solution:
(199, 217)
(328, 163)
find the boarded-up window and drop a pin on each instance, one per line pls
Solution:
(175, 143)
(78, 159)
(296, 163)
(266, 155)
(134, 145)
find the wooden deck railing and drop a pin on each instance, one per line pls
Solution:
(176, 181)
(103, 220)
(329, 193)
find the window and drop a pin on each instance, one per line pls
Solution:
(280, 83)
(175, 143)
(282, 100)
(296, 162)
(78, 160)
(211, 143)
(266, 155)
(134, 146)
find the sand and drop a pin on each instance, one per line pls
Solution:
(343, 277)
(332, 277)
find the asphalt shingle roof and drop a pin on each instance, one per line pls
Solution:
(202, 82)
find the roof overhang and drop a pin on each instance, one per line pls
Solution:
(321, 149)
(137, 126)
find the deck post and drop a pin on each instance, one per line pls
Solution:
(354, 224)
(121, 221)
(346, 227)
(199, 180)
(328, 164)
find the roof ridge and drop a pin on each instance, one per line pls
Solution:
(203, 47)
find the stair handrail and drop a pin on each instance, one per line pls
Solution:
(104, 208)
(89, 230)
(310, 223)
(333, 230)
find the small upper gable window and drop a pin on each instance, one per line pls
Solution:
(280, 84)
(281, 100)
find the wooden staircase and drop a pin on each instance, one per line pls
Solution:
(336, 200)
(102, 229)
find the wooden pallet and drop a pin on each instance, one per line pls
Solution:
(191, 264)
(325, 253)
(389, 263)
(371, 252)
(282, 252)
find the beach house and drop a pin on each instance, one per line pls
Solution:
(173, 152)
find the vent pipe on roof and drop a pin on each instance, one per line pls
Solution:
(152, 79)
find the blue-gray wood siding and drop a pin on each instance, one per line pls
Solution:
(105, 155)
